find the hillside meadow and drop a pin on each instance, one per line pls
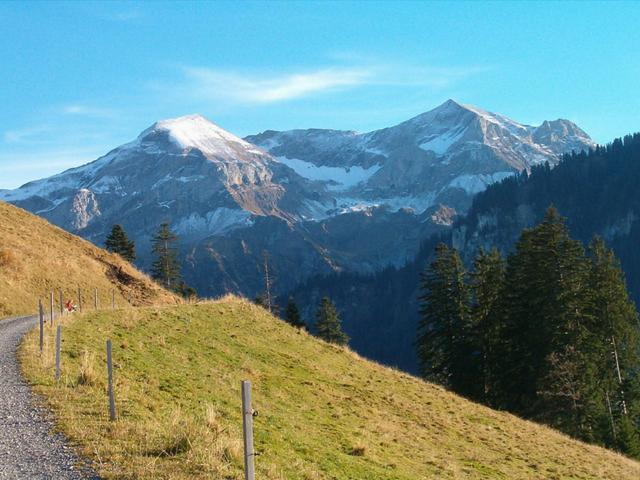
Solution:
(324, 412)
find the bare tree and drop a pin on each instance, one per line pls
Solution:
(615, 357)
(268, 282)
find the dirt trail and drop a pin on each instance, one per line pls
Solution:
(28, 448)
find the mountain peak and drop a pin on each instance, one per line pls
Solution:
(453, 114)
(448, 106)
(451, 103)
(452, 106)
(194, 131)
(562, 136)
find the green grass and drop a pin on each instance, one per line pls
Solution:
(324, 413)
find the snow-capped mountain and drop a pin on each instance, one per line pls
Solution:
(442, 156)
(317, 200)
(205, 178)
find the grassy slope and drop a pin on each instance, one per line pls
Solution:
(324, 412)
(37, 257)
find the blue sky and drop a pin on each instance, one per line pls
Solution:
(79, 78)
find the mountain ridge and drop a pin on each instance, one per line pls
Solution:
(213, 186)
(449, 112)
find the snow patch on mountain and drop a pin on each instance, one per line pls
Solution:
(318, 211)
(340, 178)
(376, 151)
(54, 205)
(195, 131)
(473, 184)
(180, 179)
(416, 203)
(439, 144)
(512, 126)
(108, 184)
(214, 222)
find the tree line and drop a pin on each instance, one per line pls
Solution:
(548, 333)
(327, 326)
(166, 266)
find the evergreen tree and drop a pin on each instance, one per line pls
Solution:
(446, 341)
(614, 361)
(628, 437)
(328, 325)
(166, 268)
(542, 314)
(118, 242)
(487, 283)
(562, 337)
(292, 314)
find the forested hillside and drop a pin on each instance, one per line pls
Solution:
(596, 191)
(548, 332)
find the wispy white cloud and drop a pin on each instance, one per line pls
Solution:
(52, 132)
(43, 149)
(209, 83)
(264, 88)
(86, 111)
(36, 162)
(23, 135)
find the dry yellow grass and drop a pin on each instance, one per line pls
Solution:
(37, 257)
(325, 413)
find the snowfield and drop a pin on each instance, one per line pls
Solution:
(339, 178)
(441, 143)
(195, 131)
(473, 184)
(214, 222)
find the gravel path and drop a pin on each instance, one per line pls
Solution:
(28, 448)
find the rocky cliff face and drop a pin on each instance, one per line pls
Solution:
(316, 200)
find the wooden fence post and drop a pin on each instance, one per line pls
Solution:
(112, 400)
(41, 312)
(51, 306)
(79, 299)
(61, 304)
(95, 298)
(247, 430)
(58, 347)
